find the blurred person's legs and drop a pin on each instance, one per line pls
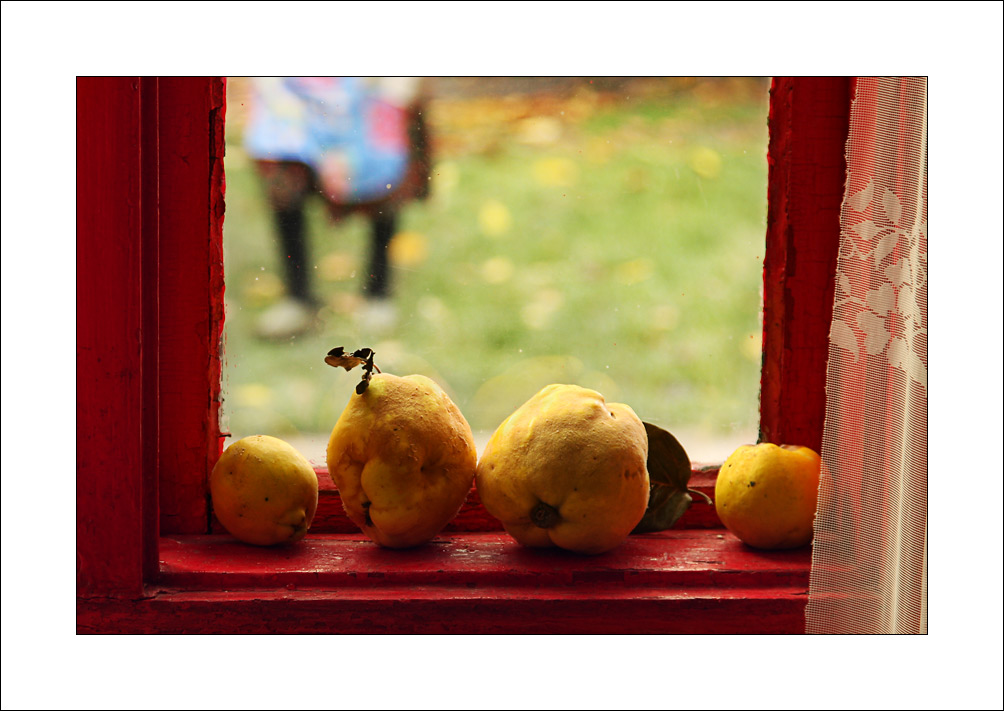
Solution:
(289, 224)
(383, 225)
(287, 186)
(379, 311)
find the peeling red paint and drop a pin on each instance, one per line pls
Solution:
(809, 124)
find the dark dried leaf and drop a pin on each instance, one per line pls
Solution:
(361, 386)
(337, 358)
(669, 474)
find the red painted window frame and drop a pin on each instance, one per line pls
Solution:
(150, 200)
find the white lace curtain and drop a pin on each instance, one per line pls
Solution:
(869, 562)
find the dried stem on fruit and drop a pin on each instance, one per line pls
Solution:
(338, 358)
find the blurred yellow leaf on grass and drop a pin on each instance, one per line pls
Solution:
(408, 248)
(494, 218)
(252, 395)
(555, 172)
(337, 266)
(635, 271)
(264, 289)
(706, 162)
(497, 270)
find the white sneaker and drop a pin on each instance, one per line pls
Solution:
(377, 317)
(285, 319)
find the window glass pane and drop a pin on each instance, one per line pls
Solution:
(606, 232)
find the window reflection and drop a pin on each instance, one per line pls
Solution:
(606, 232)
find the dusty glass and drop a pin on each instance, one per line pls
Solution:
(600, 231)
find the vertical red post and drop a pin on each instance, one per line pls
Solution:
(113, 208)
(149, 319)
(191, 295)
(809, 124)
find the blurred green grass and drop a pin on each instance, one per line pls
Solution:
(618, 245)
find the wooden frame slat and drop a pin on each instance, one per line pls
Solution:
(809, 124)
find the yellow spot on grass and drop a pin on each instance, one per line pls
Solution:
(555, 172)
(263, 289)
(252, 395)
(635, 271)
(706, 162)
(408, 249)
(538, 130)
(336, 266)
(494, 218)
(497, 270)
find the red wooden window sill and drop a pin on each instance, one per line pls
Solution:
(681, 581)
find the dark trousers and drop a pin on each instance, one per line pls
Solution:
(288, 186)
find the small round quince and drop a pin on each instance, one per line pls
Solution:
(766, 494)
(264, 491)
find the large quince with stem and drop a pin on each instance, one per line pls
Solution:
(402, 456)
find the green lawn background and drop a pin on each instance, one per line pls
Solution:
(607, 234)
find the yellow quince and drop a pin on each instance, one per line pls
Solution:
(264, 491)
(767, 494)
(567, 469)
(403, 458)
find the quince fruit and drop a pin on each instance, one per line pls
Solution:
(403, 458)
(264, 492)
(567, 469)
(766, 494)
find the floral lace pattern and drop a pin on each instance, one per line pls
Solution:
(887, 319)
